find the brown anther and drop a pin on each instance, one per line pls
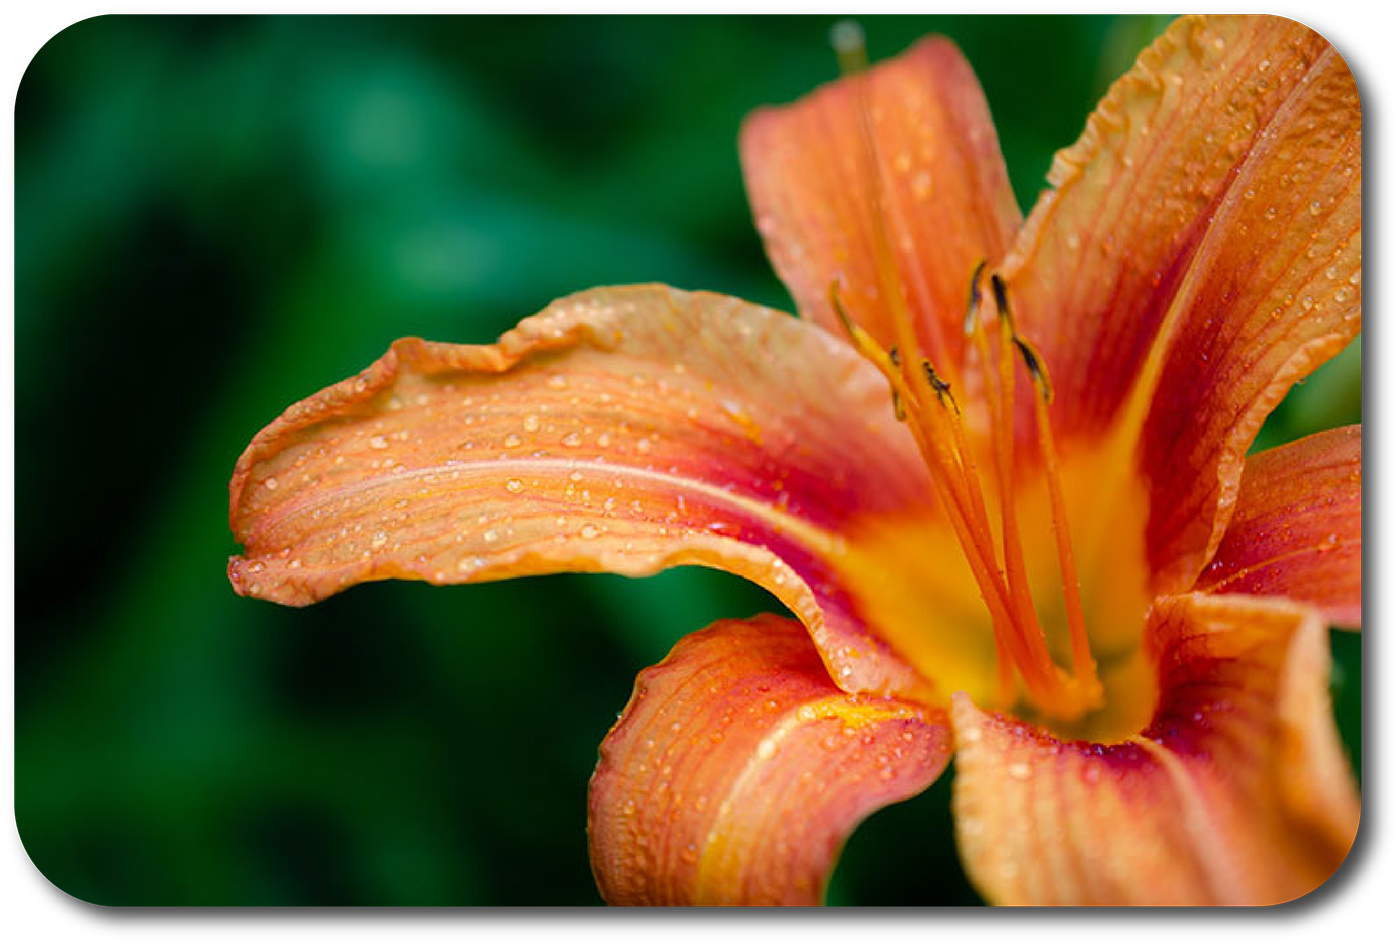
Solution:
(942, 388)
(1036, 367)
(974, 298)
(1003, 306)
(894, 355)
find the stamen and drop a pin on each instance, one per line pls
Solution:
(1036, 368)
(940, 387)
(1083, 660)
(1084, 666)
(934, 418)
(1003, 307)
(1017, 579)
(974, 298)
(955, 488)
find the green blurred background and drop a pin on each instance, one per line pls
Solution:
(217, 216)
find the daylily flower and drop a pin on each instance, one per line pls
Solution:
(1010, 505)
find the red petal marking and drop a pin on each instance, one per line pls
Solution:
(626, 430)
(1237, 792)
(1204, 241)
(946, 192)
(738, 769)
(1296, 531)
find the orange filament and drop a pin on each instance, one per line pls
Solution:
(1083, 660)
(927, 405)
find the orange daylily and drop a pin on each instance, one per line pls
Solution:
(1050, 555)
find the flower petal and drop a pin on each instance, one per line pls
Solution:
(626, 430)
(1200, 253)
(1237, 793)
(738, 769)
(1296, 531)
(947, 201)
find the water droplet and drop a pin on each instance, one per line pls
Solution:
(571, 439)
(923, 185)
(588, 531)
(379, 443)
(1019, 770)
(513, 485)
(270, 482)
(511, 441)
(531, 423)
(489, 535)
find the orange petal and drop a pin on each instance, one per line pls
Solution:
(1237, 793)
(626, 430)
(1203, 240)
(947, 200)
(738, 769)
(1296, 531)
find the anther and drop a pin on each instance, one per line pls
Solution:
(974, 298)
(1036, 367)
(853, 331)
(1003, 306)
(942, 388)
(865, 345)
